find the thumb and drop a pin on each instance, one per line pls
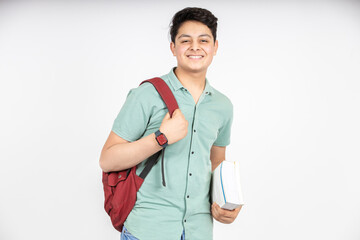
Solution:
(176, 112)
(167, 115)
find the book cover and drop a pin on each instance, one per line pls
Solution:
(226, 187)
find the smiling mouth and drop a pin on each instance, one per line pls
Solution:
(195, 56)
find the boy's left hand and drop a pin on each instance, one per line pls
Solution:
(223, 215)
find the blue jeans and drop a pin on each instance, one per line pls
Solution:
(125, 235)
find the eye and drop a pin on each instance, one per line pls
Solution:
(184, 41)
(204, 40)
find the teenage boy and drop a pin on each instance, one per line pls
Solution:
(197, 134)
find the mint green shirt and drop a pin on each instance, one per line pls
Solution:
(162, 213)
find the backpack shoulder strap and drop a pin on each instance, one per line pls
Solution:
(165, 93)
(168, 97)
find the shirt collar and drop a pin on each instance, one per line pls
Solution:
(176, 84)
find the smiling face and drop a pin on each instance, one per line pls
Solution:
(194, 47)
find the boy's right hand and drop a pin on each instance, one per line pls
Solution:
(174, 128)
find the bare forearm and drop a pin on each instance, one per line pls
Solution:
(217, 155)
(126, 155)
(214, 165)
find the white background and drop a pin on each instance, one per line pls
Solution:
(291, 70)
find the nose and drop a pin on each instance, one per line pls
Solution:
(194, 46)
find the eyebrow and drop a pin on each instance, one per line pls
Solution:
(186, 35)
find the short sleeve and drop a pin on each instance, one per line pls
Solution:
(131, 122)
(223, 138)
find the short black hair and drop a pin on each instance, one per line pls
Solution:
(193, 14)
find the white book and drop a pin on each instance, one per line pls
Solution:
(226, 188)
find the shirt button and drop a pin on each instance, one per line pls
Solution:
(188, 196)
(194, 130)
(192, 152)
(185, 220)
(207, 93)
(190, 174)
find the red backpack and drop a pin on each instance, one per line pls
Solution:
(120, 188)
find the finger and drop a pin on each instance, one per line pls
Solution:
(176, 111)
(231, 215)
(223, 215)
(219, 214)
(226, 214)
(222, 219)
(167, 115)
(220, 211)
(214, 211)
(213, 208)
(226, 219)
(215, 205)
(238, 209)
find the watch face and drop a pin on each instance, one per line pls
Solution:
(162, 139)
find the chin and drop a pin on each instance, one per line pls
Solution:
(195, 69)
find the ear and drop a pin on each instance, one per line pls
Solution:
(172, 48)
(216, 47)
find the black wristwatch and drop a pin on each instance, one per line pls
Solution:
(161, 139)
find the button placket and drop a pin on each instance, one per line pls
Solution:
(192, 157)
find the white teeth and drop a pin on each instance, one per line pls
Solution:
(195, 56)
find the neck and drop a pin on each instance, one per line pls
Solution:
(191, 80)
